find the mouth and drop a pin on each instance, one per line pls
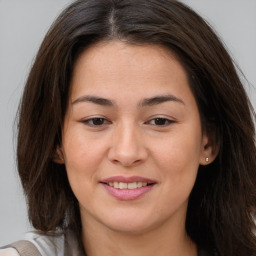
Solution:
(131, 185)
(128, 188)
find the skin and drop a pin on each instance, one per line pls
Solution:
(127, 141)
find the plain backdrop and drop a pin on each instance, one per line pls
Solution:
(23, 24)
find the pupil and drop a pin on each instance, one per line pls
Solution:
(160, 121)
(98, 121)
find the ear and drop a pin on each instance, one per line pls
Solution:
(209, 149)
(58, 156)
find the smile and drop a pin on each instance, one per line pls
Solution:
(132, 185)
(127, 188)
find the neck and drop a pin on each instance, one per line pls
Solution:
(161, 241)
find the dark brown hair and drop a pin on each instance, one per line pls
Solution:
(222, 202)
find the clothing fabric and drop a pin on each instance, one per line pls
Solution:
(60, 244)
(25, 248)
(64, 244)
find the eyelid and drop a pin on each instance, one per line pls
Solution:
(87, 121)
(169, 121)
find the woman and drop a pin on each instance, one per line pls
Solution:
(136, 136)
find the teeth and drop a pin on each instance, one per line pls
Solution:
(116, 184)
(122, 185)
(132, 185)
(139, 184)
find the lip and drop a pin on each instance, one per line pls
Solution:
(128, 194)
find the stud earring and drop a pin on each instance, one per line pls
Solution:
(206, 159)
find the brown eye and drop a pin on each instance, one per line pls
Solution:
(97, 121)
(160, 121)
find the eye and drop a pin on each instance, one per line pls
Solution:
(159, 121)
(96, 121)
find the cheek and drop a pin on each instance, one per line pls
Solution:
(82, 159)
(178, 156)
(177, 160)
(83, 155)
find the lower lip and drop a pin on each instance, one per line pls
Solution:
(127, 194)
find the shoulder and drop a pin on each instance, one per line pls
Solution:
(45, 244)
(8, 252)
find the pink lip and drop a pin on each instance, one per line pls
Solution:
(127, 194)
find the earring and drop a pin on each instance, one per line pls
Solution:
(206, 159)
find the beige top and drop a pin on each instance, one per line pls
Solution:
(8, 252)
(54, 245)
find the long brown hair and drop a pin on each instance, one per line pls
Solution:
(222, 202)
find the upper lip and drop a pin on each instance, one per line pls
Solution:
(127, 179)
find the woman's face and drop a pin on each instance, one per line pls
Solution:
(132, 138)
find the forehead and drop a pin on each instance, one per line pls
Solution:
(124, 54)
(121, 67)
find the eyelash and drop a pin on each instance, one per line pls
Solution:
(161, 119)
(90, 121)
(103, 121)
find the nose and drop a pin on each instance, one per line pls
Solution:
(127, 146)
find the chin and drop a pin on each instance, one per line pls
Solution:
(133, 223)
(130, 228)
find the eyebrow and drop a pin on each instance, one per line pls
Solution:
(144, 103)
(159, 99)
(95, 100)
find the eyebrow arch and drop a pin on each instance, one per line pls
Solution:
(160, 99)
(94, 99)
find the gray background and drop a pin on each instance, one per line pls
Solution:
(23, 24)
